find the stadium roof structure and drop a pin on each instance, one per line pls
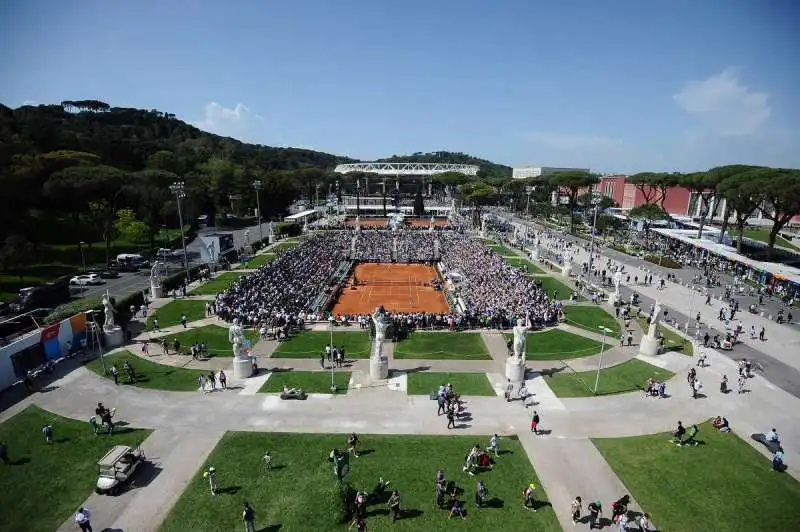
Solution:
(398, 169)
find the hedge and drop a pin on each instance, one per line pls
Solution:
(666, 262)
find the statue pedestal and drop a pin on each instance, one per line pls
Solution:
(648, 346)
(566, 269)
(378, 368)
(613, 298)
(156, 290)
(515, 370)
(535, 254)
(271, 239)
(242, 367)
(114, 337)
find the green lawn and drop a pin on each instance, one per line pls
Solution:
(309, 381)
(44, 484)
(311, 344)
(672, 340)
(626, 377)
(723, 485)
(423, 383)
(762, 235)
(591, 318)
(551, 285)
(555, 344)
(257, 261)
(218, 284)
(519, 262)
(214, 336)
(442, 346)
(149, 374)
(500, 249)
(299, 493)
(170, 314)
(284, 245)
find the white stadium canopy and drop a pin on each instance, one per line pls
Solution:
(398, 169)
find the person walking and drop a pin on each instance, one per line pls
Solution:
(212, 381)
(595, 514)
(576, 508)
(115, 374)
(201, 383)
(83, 518)
(249, 518)
(509, 390)
(528, 493)
(352, 443)
(535, 423)
(223, 380)
(211, 475)
(394, 505)
(451, 417)
(47, 430)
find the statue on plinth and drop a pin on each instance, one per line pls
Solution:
(649, 345)
(521, 338)
(617, 281)
(109, 311)
(236, 338)
(379, 320)
(379, 364)
(652, 332)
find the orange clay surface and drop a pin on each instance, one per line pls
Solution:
(398, 287)
(381, 222)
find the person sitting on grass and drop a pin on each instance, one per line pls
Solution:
(456, 510)
(528, 496)
(679, 433)
(690, 440)
(481, 493)
(721, 424)
(777, 462)
(379, 489)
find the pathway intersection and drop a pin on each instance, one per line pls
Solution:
(187, 425)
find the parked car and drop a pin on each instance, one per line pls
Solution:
(117, 467)
(88, 279)
(109, 273)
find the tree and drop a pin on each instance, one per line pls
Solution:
(16, 253)
(648, 213)
(719, 175)
(645, 182)
(573, 182)
(129, 227)
(704, 185)
(781, 200)
(743, 194)
(663, 182)
(477, 194)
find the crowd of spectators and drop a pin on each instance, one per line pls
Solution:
(288, 286)
(491, 287)
(416, 246)
(374, 245)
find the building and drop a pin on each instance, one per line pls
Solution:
(537, 171)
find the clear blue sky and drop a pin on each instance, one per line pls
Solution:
(613, 85)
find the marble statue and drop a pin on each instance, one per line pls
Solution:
(520, 338)
(271, 231)
(236, 338)
(157, 273)
(379, 319)
(108, 308)
(617, 281)
(483, 225)
(652, 331)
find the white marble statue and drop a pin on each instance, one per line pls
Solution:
(379, 319)
(520, 338)
(108, 308)
(236, 338)
(157, 273)
(271, 230)
(617, 281)
(652, 331)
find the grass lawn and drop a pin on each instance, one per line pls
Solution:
(626, 377)
(762, 235)
(149, 374)
(551, 285)
(422, 383)
(45, 484)
(257, 261)
(309, 381)
(214, 336)
(216, 285)
(284, 245)
(298, 494)
(672, 340)
(591, 318)
(170, 314)
(500, 249)
(723, 485)
(519, 262)
(311, 344)
(555, 344)
(442, 346)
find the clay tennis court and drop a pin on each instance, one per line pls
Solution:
(398, 287)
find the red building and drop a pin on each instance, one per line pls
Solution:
(627, 196)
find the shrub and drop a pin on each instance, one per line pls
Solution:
(666, 262)
(67, 310)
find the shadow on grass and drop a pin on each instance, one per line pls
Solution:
(229, 490)
(21, 461)
(271, 528)
(494, 502)
(410, 513)
(366, 452)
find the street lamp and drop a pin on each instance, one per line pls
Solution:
(333, 365)
(606, 331)
(83, 265)
(591, 244)
(529, 190)
(179, 190)
(257, 187)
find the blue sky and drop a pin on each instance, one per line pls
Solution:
(615, 85)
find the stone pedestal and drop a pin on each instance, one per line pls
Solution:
(613, 298)
(114, 337)
(156, 290)
(566, 269)
(242, 367)
(378, 368)
(535, 254)
(648, 346)
(515, 371)
(271, 239)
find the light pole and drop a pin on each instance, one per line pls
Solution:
(83, 265)
(333, 364)
(529, 190)
(689, 317)
(257, 187)
(591, 244)
(179, 190)
(605, 330)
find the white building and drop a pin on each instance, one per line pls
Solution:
(536, 171)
